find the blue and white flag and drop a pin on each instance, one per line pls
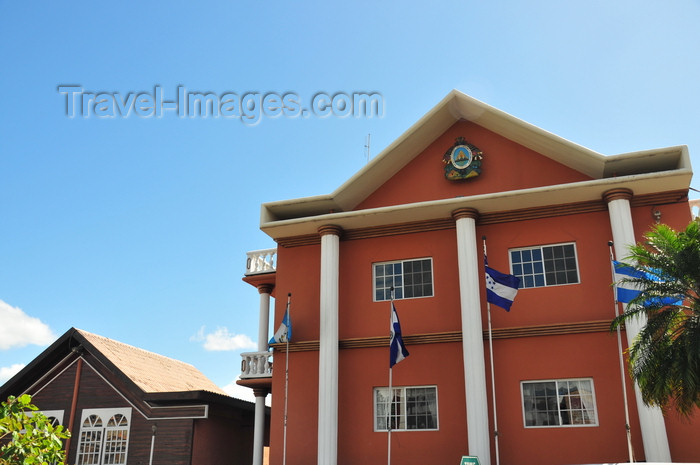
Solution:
(500, 288)
(626, 292)
(397, 349)
(284, 333)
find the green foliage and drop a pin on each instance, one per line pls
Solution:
(33, 440)
(665, 356)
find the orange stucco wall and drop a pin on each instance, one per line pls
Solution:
(506, 166)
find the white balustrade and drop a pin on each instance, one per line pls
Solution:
(261, 261)
(256, 365)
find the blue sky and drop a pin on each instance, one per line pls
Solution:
(136, 228)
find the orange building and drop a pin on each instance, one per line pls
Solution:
(413, 220)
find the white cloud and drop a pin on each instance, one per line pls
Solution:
(19, 329)
(8, 372)
(242, 392)
(221, 340)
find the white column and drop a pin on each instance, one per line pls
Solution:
(651, 419)
(259, 431)
(328, 348)
(260, 394)
(478, 433)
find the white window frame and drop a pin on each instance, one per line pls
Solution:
(106, 433)
(559, 400)
(403, 409)
(544, 271)
(402, 280)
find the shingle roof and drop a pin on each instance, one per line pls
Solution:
(150, 371)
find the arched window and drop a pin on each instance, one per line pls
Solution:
(104, 436)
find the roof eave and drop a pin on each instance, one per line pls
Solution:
(640, 184)
(454, 107)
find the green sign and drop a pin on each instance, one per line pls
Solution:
(469, 460)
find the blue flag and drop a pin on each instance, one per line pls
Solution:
(500, 288)
(626, 292)
(284, 332)
(397, 349)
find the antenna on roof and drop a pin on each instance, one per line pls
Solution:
(367, 146)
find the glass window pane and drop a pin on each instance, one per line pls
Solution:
(558, 403)
(547, 253)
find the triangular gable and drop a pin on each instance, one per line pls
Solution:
(643, 172)
(504, 166)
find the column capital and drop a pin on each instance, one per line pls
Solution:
(617, 194)
(265, 288)
(330, 229)
(261, 391)
(465, 213)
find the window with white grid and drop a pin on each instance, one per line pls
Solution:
(546, 265)
(409, 278)
(410, 408)
(104, 436)
(561, 402)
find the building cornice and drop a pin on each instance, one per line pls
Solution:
(556, 329)
(549, 211)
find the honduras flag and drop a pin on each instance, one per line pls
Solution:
(284, 333)
(397, 349)
(500, 288)
(626, 292)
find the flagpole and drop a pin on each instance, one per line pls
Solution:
(493, 380)
(391, 391)
(630, 450)
(286, 382)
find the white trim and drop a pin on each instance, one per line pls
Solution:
(29, 389)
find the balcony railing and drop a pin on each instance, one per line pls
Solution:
(261, 261)
(256, 365)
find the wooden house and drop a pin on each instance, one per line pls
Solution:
(127, 406)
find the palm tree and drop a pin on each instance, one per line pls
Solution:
(665, 356)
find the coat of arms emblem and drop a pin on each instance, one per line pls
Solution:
(462, 160)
